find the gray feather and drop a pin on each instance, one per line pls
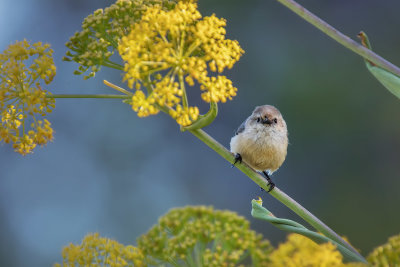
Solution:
(241, 128)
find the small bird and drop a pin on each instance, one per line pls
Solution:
(261, 141)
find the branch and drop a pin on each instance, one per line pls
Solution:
(340, 37)
(276, 192)
(88, 96)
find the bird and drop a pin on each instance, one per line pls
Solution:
(261, 141)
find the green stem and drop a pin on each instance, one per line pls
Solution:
(23, 122)
(148, 85)
(192, 47)
(113, 65)
(120, 89)
(108, 37)
(276, 192)
(184, 95)
(88, 96)
(340, 37)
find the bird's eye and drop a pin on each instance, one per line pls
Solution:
(258, 119)
(275, 120)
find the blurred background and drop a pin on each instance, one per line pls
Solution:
(109, 171)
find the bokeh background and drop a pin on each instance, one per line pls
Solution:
(109, 171)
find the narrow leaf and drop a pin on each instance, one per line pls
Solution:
(259, 212)
(387, 79)
(205, 119)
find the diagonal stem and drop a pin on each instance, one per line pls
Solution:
(120, 89)
(88, 96)
(340, 37)
(276, 192)
(184, 96)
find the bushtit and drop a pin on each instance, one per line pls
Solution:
(261, 141)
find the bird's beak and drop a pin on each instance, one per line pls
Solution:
(267, 121)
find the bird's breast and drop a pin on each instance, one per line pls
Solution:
(261, 150)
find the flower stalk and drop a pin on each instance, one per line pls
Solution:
(276, 193)
(259, 212)
(120, 89)
(340, 37)
(89, 96)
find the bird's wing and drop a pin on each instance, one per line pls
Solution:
(241, 128)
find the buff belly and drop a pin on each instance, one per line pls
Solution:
(260, 153)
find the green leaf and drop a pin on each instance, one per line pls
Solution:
(259, 212)
(205, 119)
(387, 79)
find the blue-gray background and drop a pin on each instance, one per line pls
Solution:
(109, 171)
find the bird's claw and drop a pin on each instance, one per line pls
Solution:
(271, 186)
(270, 183)
(238, 158)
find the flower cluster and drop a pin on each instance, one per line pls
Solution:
(165, 49)
(183, 237)
(387, 254)
(101, 31)
(22, 67)
(202, 234)
(100, 251)
(299, 251)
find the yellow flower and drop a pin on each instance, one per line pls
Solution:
(101, 31)
(185, 116)
(100, 251)
(142, 105)
(22, 99)
(25, 144)
(299, 251)
(259, 201)
(166, 48)
(211, 237)
(387, 254)
(218, 89)
(44, 132)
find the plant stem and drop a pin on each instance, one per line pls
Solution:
(88, 96)
(276, 192)
(340, 37)
(184, 96)
(120, 89)
(113, 65)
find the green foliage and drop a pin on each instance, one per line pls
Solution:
(387, 254)
(201, 236)
(101, 31)
(204, 120)
(259, 212)
(386, 78)
(100, 251)
(198, 236)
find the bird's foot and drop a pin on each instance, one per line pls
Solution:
(271, 186)
(270, 183)
(238, 158)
